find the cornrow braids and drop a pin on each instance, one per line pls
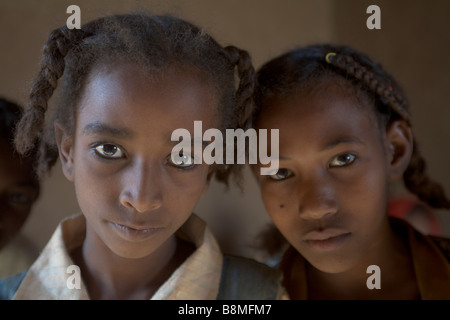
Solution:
(375, 85)
(156, 44)
(302, 68)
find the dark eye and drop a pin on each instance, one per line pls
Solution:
(109, 151)
(181, 160)
(342, 160)
(281, 174)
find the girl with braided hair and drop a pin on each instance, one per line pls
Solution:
(127, 82)
(345, 133)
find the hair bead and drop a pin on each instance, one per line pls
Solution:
(328, 56)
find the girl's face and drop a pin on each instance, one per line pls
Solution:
(133, 196)
(328, 197)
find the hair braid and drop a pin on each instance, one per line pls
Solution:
(244, 93)
(31, 127)
(244, 104)
(417, 182)
(375, 85)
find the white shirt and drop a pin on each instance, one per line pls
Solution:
(197, 278)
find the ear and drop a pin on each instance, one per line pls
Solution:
(65, 149)
(399, 143)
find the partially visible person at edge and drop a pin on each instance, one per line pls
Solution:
(19, 189)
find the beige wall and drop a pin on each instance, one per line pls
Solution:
(412, 42)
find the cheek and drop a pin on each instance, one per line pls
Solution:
(282, 213)
(277, 201)
(188, 186)
(95, 184)
(369, 189)
(362, 199)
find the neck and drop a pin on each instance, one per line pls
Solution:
(397, 279)
(109, 276)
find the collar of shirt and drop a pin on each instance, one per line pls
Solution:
(197, 278)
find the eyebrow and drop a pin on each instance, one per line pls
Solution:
(335, 142)
(98, 127)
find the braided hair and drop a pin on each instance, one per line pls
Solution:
(303, 68)
(156, 43)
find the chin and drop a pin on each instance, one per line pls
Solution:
(332, 267)
(132, 252)
(330, 263)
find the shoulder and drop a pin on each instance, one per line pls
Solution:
(246, 279)
(405, 229)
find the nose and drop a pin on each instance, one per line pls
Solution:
(142, 188)
(317, 198)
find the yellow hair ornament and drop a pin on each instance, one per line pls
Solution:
(327, 57)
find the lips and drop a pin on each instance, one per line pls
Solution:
(326, 239)
(324, 234)
(134, 233)
(137, 228)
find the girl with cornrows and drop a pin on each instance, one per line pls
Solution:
(127, 82)
(345, 133)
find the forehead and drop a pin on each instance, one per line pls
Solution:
(317, 118)
(127, 96)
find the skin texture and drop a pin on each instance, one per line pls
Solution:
(329, 195)
(129, 118)
(18, 191)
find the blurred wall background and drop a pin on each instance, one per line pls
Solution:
(413, 44)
